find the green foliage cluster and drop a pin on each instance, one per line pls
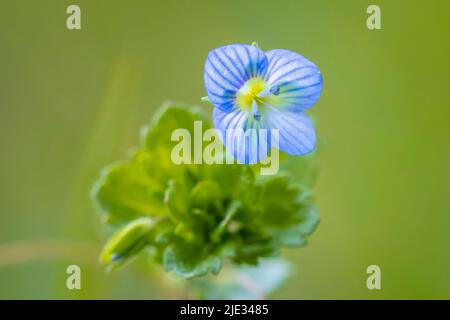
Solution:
(191, 218)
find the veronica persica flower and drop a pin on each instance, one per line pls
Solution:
(252, 89)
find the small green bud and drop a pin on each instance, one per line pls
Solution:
(205, 99)
(126, 242)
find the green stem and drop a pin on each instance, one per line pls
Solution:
(232, 209)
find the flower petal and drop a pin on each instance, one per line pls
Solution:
(246, 139)
(228, 68)
(299, 80)
(296, 132)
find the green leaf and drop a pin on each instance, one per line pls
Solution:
(206, 195)
(296, 234)
(253, 245)
(228, 176)
(157, 140)
(191, 221)
(190, 260)
(302, 170)
(289, 216)
(176, 197)
(125, 191)
(249, 194)
(171, 116)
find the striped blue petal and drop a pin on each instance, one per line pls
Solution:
(228, 68)
(297, 80)
(247, 140)
(296, 132)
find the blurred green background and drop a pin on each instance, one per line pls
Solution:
(73, 101)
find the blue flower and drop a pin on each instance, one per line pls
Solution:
(252, 89)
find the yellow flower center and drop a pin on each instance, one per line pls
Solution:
(249, 92)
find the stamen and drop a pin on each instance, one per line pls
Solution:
(255, 111)
(275, 90)
(263, 94)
